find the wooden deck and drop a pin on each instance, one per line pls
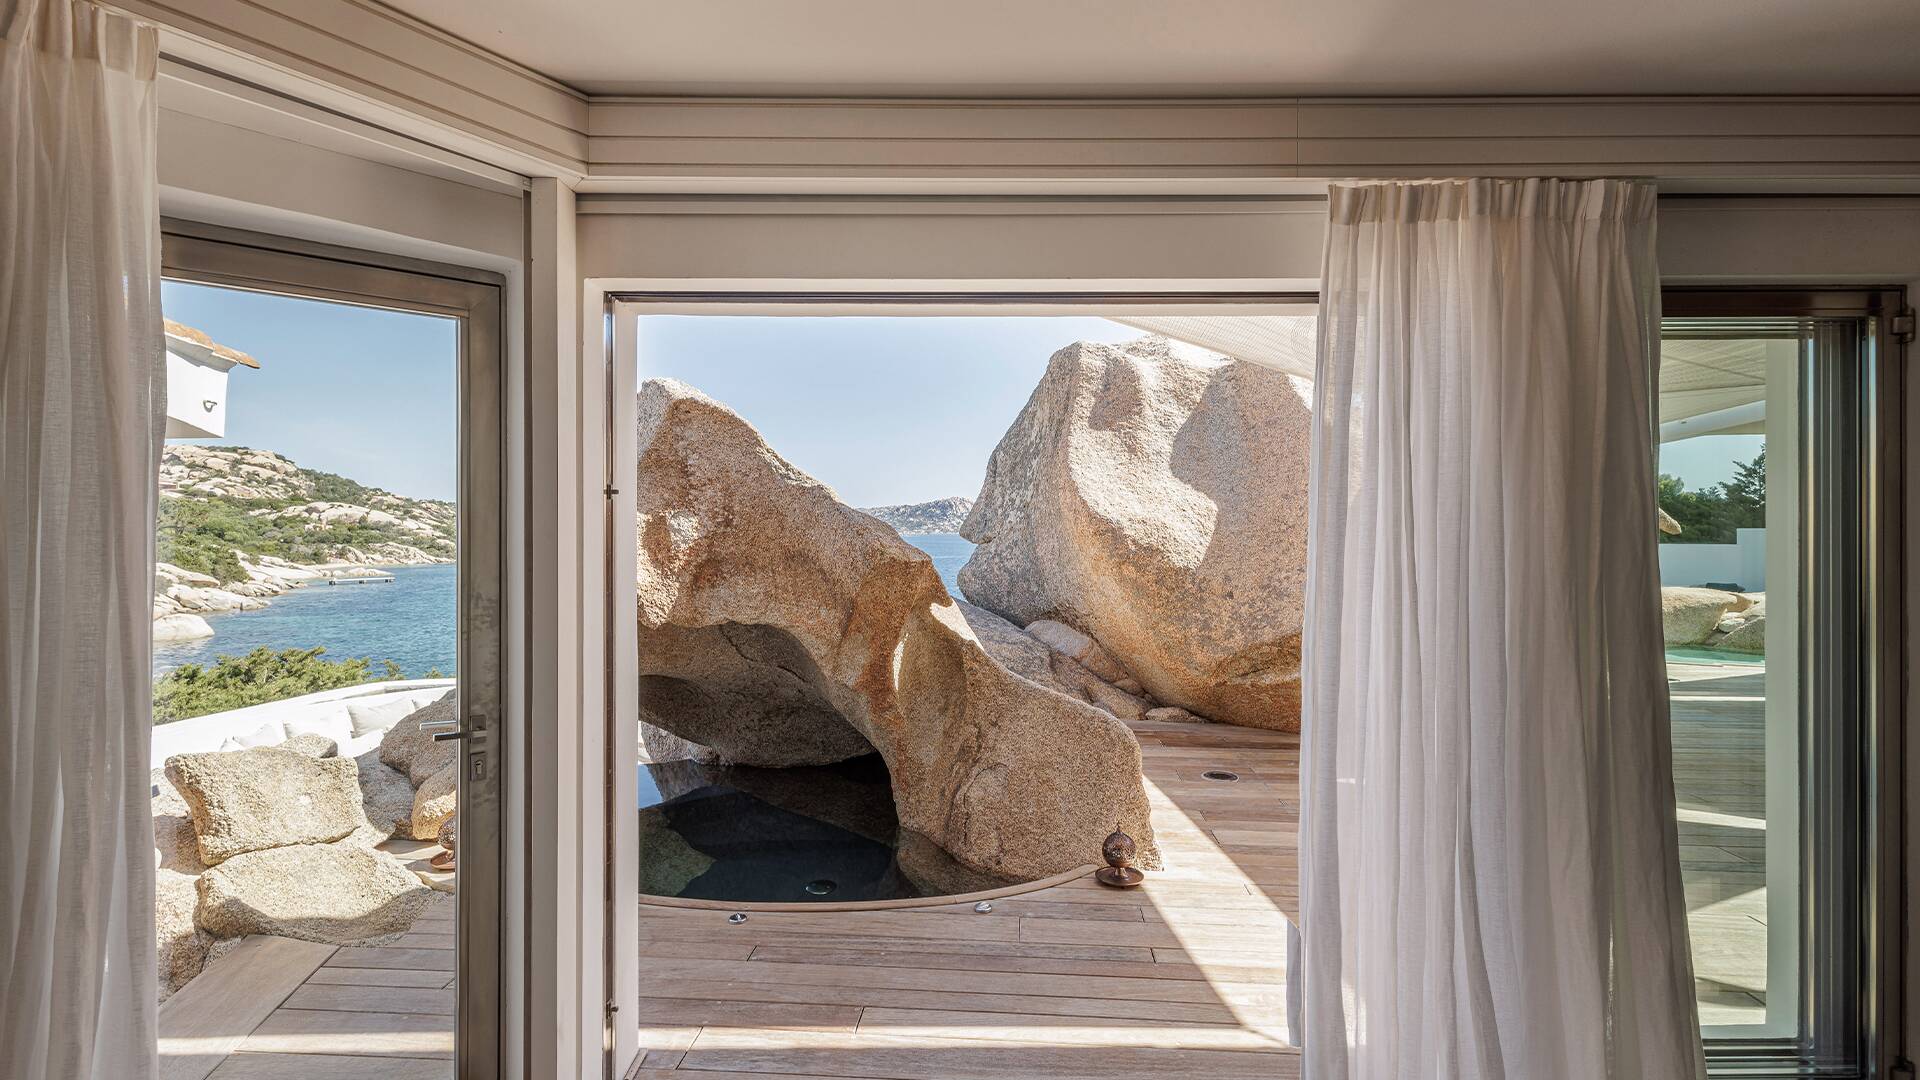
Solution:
(1719, 774)
(1183, 976)
(279, 1009)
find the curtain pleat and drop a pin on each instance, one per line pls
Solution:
(1490, 877)
(82, 411)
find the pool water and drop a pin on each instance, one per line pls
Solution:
(805, 835)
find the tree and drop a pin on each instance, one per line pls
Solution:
(1746, 493)
(263, 675)
(1712, 514)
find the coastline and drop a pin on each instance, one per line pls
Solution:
(183, 599)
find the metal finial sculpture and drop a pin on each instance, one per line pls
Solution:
(1118, 849)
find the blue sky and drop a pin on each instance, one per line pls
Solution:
(1705, 460)
(883, 410)
(365, 393)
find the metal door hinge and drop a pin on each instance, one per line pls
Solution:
(1901, 327)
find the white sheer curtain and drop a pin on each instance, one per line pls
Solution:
(1490, 878)
(82, 388)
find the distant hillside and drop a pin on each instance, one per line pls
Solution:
(216, 500)
(916, 519)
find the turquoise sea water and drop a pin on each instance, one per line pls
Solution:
(410, 621)
(950, 552)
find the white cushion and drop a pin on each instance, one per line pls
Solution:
(230, 743)
(267, 734)
(379, 715)
(360, 744)
(335, 725)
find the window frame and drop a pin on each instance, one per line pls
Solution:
(476, 299)
(1866, 1037)
(1852, 663)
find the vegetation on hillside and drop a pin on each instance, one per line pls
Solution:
(217, 500)
(1712, 514)
(201, 533)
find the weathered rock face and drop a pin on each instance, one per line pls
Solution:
(1689, 616)
(1750, 636)
(265, 797)
(386, 795)
(1025, 654)
(339, 894)
(412, 751)
(174, 845)
(182, 946)
(434, 802)
(753, 578)
(755, 684)
(1157, 504)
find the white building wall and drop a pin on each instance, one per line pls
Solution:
(1742, 563)
(196, 400)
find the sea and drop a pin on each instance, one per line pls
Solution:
(950, 552)
(411, 620)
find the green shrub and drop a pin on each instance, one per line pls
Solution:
(263, 675)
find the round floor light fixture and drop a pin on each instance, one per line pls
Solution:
(1221, 775)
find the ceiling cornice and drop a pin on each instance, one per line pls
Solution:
(361, 60)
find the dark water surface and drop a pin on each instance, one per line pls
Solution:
(826, 834)
(410, 620)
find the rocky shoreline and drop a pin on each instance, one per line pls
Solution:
(182, 599)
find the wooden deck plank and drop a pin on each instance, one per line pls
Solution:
(329, 1067)
(314, 1031)
(210, 1016)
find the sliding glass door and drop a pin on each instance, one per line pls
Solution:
(1773, 492)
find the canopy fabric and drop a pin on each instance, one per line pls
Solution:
(1697, 377)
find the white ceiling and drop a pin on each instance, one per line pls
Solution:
(1014, 48)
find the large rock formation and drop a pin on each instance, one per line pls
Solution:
(341, 894)
(415, 752)
(1689, 616)
(778, 625)
(1156, 501)
(265, 797)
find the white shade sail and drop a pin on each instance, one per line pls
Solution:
(1720, 385)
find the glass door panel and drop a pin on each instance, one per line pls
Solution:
(325, 670)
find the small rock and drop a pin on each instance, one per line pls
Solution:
(181, 627)
(1173, 714)
(312, 745)
(1688, 616)
(1116, 701)
(435, 802)
(338, 894)
(1749, 637)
